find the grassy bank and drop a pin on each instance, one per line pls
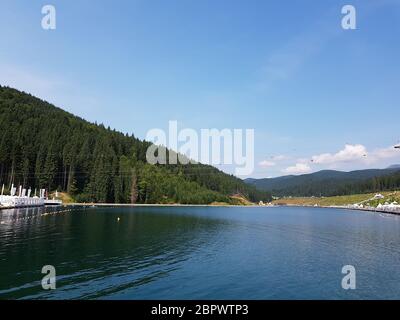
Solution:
(389, 196)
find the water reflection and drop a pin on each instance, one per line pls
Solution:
(94, 253)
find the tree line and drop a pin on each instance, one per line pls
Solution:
(383, 183)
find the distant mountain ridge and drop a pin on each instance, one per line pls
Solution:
(322, 183)
(394, 166)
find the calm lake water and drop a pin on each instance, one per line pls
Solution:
(199, 253)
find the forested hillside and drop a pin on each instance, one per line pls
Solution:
(381, 183)
(42, 146)
(331, 183)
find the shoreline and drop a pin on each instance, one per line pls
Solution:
(156, 205)
(369, 209)
(126, 205)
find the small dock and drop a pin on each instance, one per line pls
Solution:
(9, 202)
(24, 199)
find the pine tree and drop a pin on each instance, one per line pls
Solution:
(134, 190)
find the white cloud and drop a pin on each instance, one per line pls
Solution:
(299, 168)
(266, 164)
(385, 153)
(357, 155)
(349, 153)
(273, 161)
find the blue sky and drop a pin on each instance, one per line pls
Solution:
(317, 96)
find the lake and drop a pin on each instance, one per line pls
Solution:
(198, 253)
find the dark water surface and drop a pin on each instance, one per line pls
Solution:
(199, 253)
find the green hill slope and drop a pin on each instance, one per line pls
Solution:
(42, 146)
